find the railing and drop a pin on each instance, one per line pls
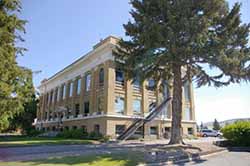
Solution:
(153, 112)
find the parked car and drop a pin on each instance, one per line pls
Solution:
(210, 133)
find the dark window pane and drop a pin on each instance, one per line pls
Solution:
(86, 108)
(101, 77)
(119, 76)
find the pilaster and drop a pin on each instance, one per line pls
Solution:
(145, 103)
(128, 97)
(109, 87)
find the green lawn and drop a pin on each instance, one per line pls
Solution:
(31, 141)
(118, 159)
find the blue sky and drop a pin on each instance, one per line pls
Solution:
(61, 31)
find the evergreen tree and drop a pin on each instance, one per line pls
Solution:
(16, 86)
(201, 126)
(216, 125)
(182, 41)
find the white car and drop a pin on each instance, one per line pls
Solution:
(210, 133)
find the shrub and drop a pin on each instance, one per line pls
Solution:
(95, 135)
(105, 138)
(73, 133)
(33, 132)
(237, 133)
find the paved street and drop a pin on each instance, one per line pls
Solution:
(38, 152)
(223, 159)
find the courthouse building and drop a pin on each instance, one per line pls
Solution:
(92, 93)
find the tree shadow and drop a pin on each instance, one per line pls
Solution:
(238, 149)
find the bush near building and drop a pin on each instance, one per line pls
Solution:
(81, 134)
(237, 133)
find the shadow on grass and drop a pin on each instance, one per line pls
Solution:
(117, 159)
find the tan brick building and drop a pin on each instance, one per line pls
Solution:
(92, 93)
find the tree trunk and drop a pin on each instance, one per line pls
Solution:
(176, 133)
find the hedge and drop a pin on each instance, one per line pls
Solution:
(238, 133)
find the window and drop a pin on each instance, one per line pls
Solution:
(51, 96)
(50, 116)
(165, 88)
(68, 112)
(86, 108)
(77, 110)
(119, 105)
(168, 129)
(78, 89)
(137, 106)
(48, 97)
(101, 77)
(119, 76)
(55, 95)
(151, 84)
(64, 91)
(71, 89)
(139, 131)
(84, 128)
(119, 129)
(187, 115)
(153, 130)
(74, 127)
(58, 94)
(187, 91)
(136, 82)
(97, 128)
(190, 131)
(87, 82)
(46, 115)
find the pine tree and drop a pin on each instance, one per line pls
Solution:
(195, 40)
(216, 125)
(16, 86)
(201, 126)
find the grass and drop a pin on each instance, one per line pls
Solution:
(33, 141)
(116, 159)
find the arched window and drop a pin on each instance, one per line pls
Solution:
(101, 77)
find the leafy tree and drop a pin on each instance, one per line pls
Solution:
(16, 86)
(196, 40)
(24, 120)
(216, 125)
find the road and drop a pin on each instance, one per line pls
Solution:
(223, 159)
